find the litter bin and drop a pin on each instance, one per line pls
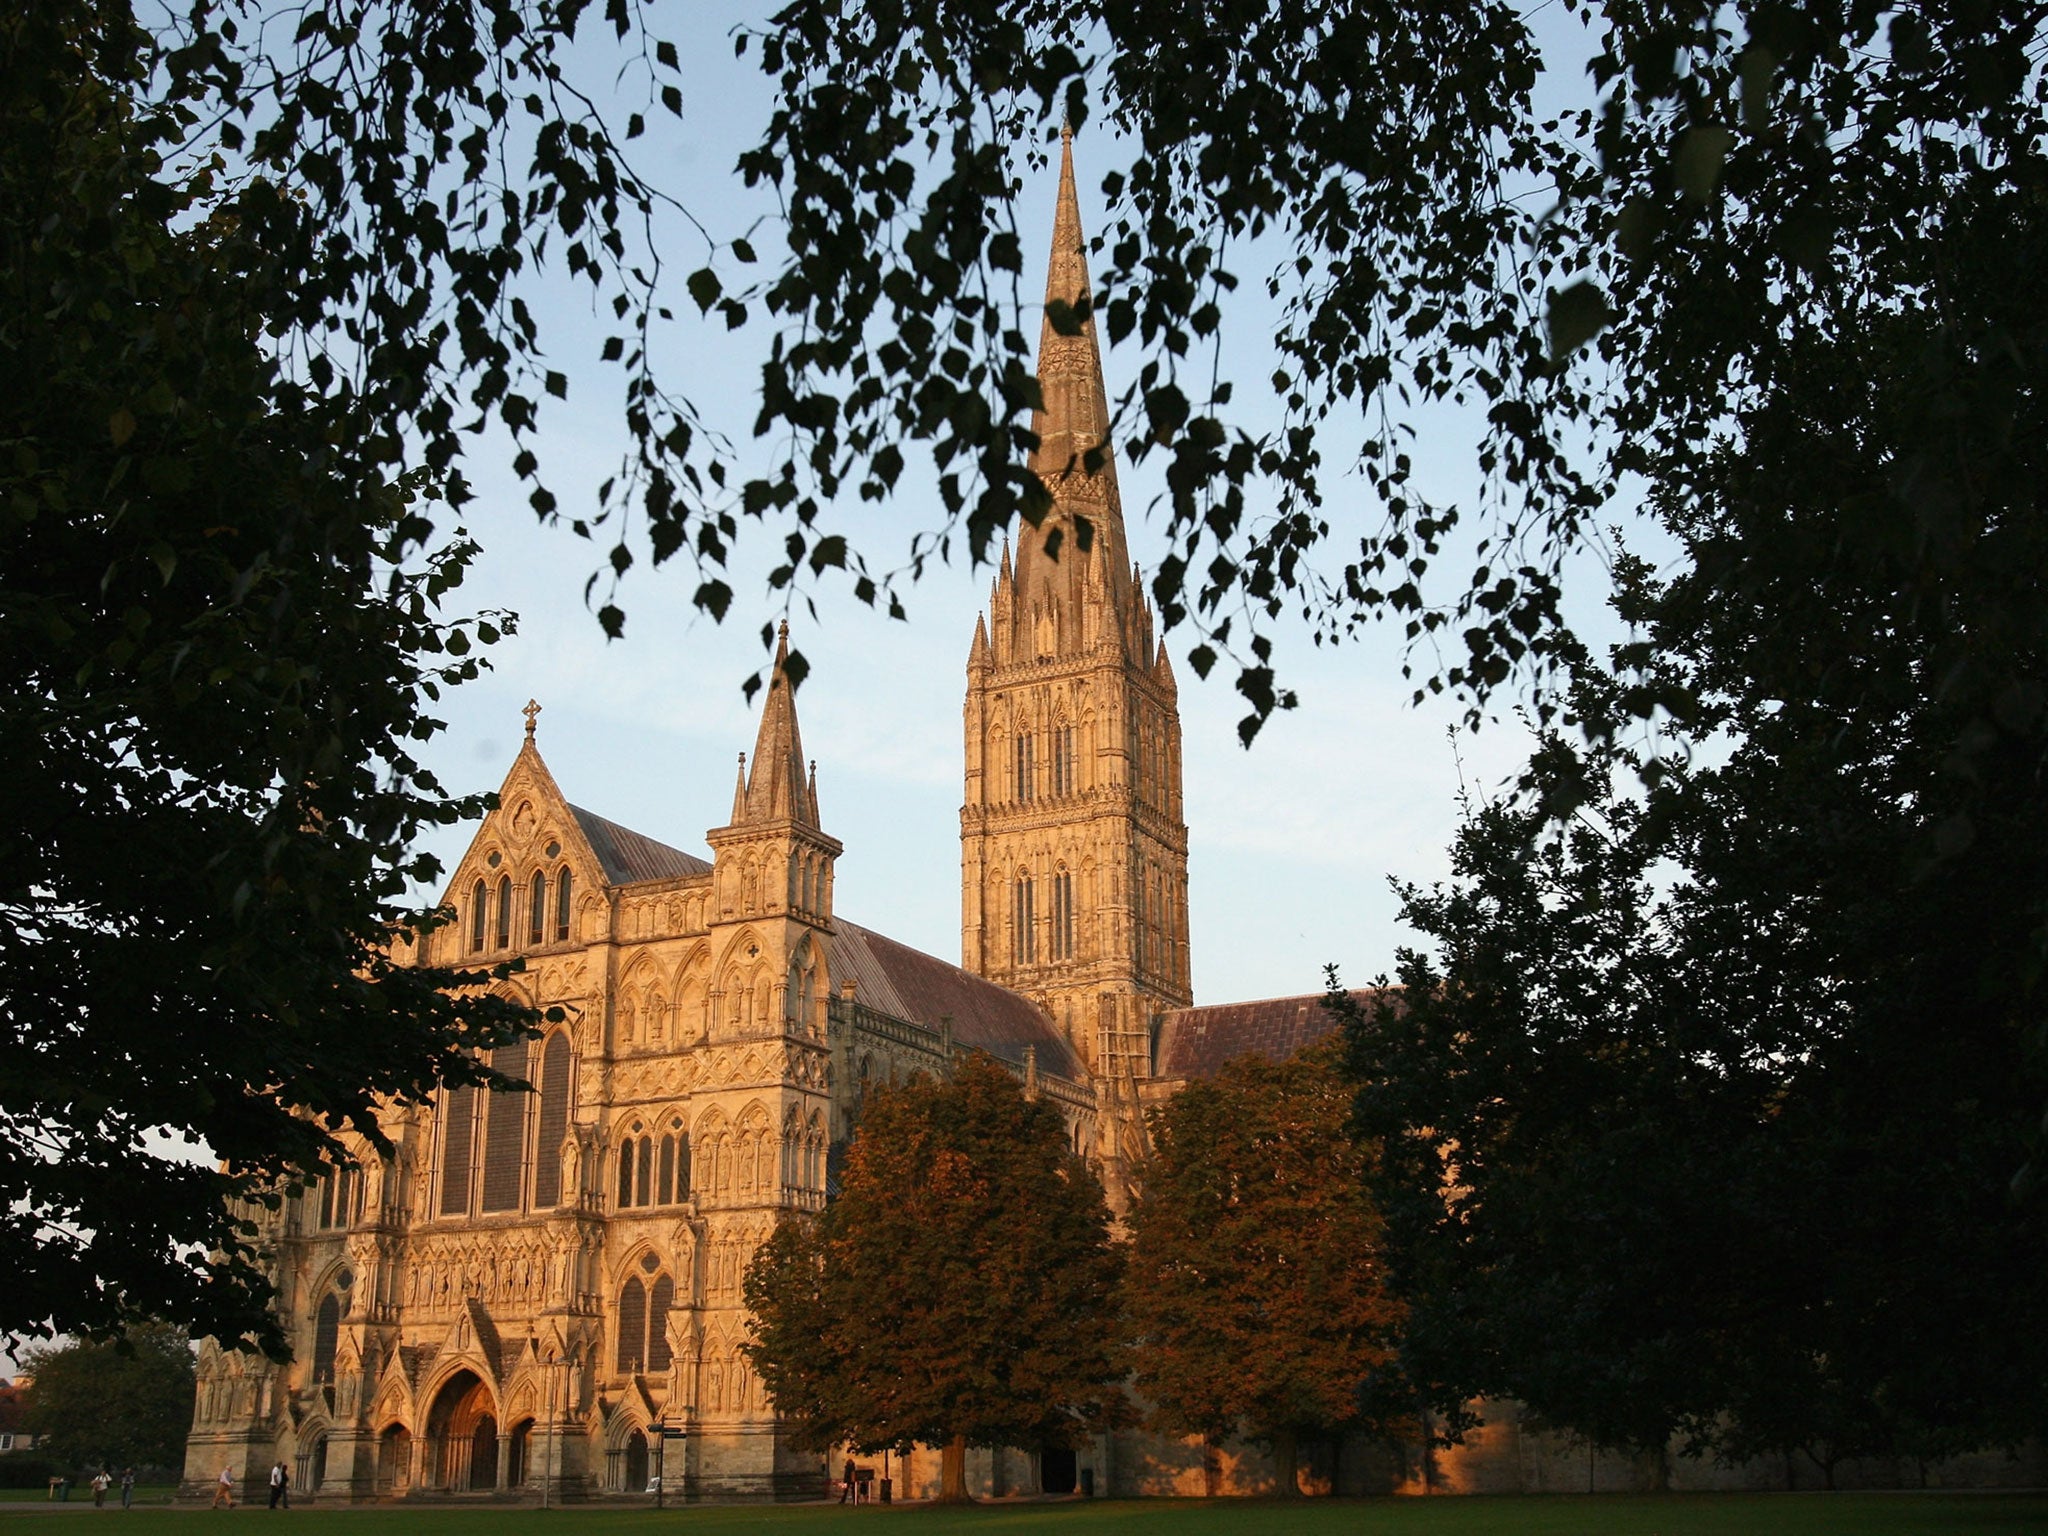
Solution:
(888, 1489)
(1087, 1482)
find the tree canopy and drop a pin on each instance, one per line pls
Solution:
(960, 1290)
(1728, 1052)
(114, 1403)
(220, 636)
(1256, 1295)
(1596, 228)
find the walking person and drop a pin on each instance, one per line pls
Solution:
(128, 1488)
(846, 1482)
(224, 1489)
(100, 1484)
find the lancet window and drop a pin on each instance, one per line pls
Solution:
(477, 917)
(537, 909)
(458, 1129)
(504, 911)
(1062, 940)
(555, 1078)
(341, 1198)
(643, 1321)
(1025, 766)
(654, 1170)
(505, 1133)
(1025, 918)
(326, 1336)
(1062, 760)
(562, 904)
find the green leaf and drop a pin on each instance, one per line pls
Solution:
(1696, 163)
(1575, 315)
(705, 288)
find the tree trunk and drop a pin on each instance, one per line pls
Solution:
(953, 1471)
(1283, 1465)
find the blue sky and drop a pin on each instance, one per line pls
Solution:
(1292, 843)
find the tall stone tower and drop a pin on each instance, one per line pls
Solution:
(1074, 856)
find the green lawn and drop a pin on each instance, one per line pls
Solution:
(1799, 1514)
(145, 1493)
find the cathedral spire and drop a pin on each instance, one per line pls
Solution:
(1073, 857)
(1073, 457)
(778, 788)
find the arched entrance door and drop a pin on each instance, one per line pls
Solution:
(462, 1436)
(483, 1455)
(394, 1459)
(519, 1466)
(1056, 1470)
(636, 1462)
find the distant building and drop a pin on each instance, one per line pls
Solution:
(13, 1404)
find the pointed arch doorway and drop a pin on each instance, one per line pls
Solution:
(462, 1436)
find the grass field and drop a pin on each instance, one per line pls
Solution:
(1796, 1514)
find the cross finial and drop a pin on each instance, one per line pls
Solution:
(532, 713)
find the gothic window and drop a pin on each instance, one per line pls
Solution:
(459, 1127)
(1025, 919)
(660, 1298)
(341, 1198)
(537, 910)
(665, 1174)
(505, 1133)
(1024, 766)
(643, 1173)
(632, 1326)
(476, 917)
(1063, 760)
(326, 1334)
(1063, 915)
(504, 911)
(562, 900)
(1138, 914)
(554, 1120)
(627, 1163)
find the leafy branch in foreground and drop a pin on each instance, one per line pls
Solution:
(220, 635)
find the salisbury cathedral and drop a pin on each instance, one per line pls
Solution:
(537, 1285)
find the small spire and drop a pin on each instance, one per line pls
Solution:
(1162, 669)
(532, 713)
(977, 655)
(778, 790)
(739, 791)
(814, 791)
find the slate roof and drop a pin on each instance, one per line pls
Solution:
(627, 856)
(1196, 1042)
(895, 979)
